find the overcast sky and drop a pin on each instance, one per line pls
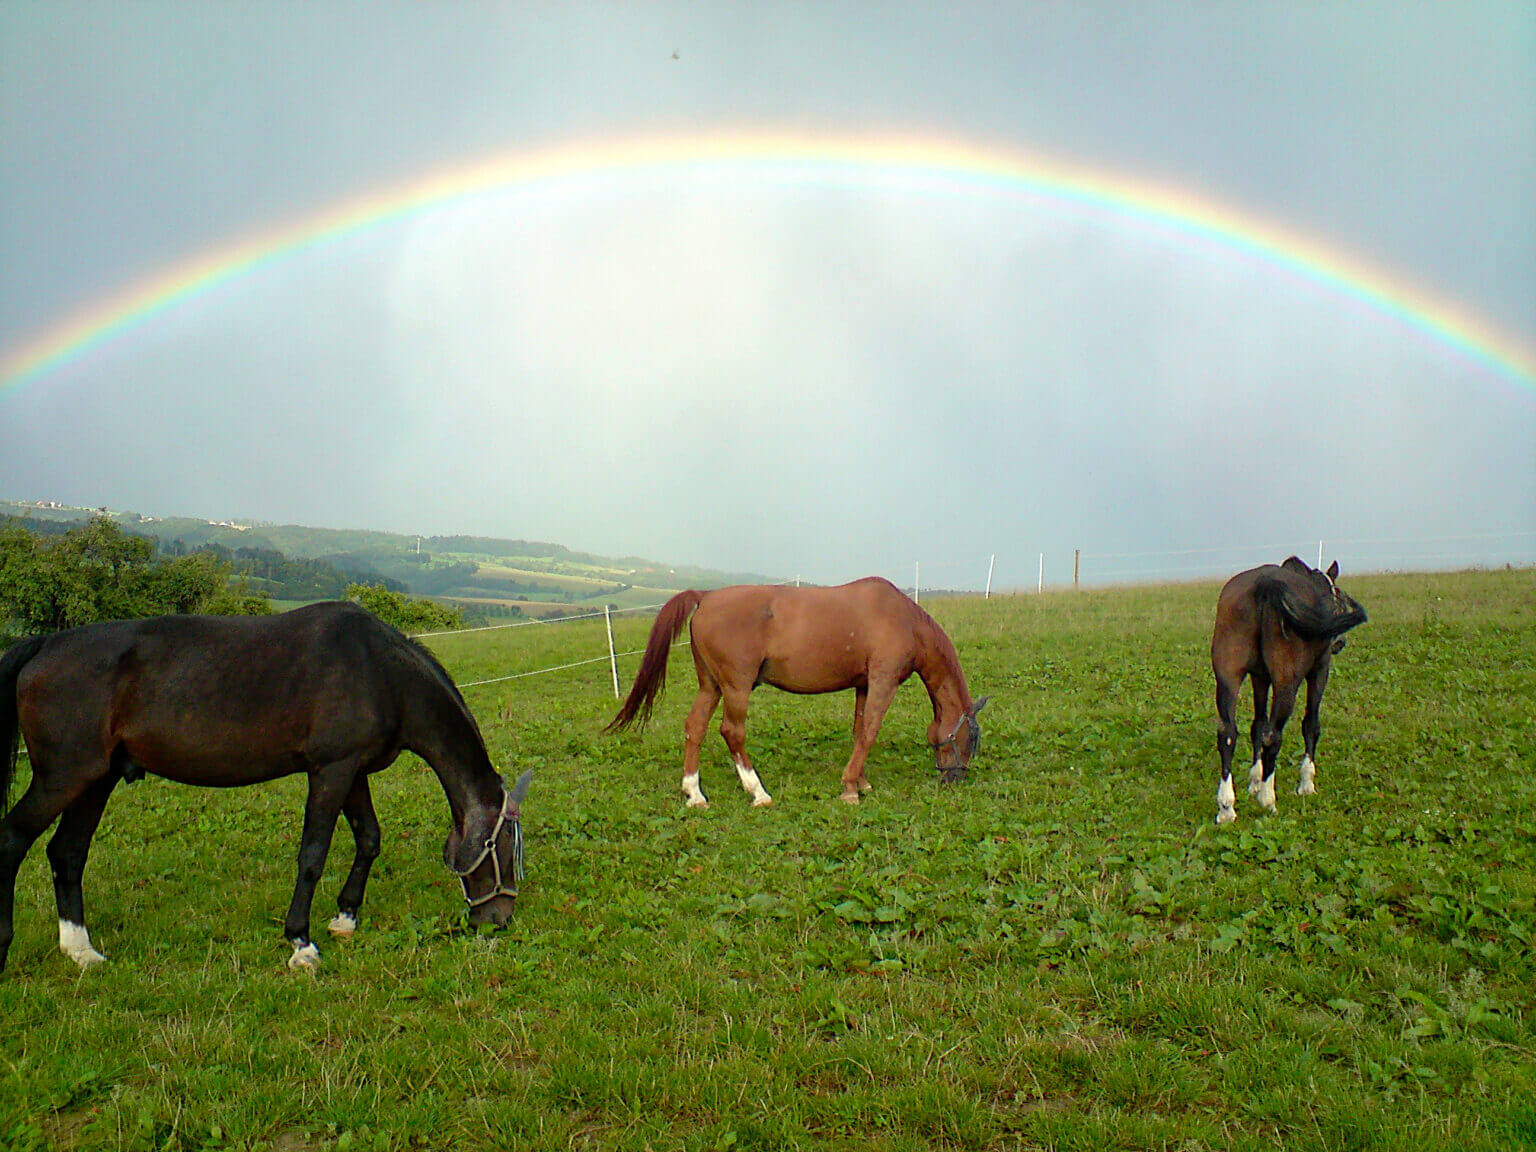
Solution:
(764, 371)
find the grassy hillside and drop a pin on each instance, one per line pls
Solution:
(1063, 953)
(459, 568)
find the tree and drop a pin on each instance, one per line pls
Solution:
(96, 571)
(404, 612)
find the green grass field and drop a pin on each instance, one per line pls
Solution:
(1062, 953)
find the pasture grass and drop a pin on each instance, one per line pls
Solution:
(1062, 953)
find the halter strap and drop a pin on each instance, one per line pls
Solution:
(498, 885)
(955, 735)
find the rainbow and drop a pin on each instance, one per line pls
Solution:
(938, 166)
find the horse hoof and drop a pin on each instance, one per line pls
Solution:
(850, 797)
(343, 925)
(1225, 816)
(865, 786)
(697, 802)
(305, 959)
(1306, 788)
(765, 802)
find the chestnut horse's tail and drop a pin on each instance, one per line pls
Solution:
(651, 680)
(11, 663)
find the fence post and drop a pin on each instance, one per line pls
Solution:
(1077, 562)
(613, 660)
(1319, 554)
(916, 569)
(990, 562)
(1040, 584)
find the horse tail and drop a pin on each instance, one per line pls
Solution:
(651, 680)
(1307, 618)
(11, 663)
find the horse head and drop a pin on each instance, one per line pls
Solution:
(487, 856)
(952, 755)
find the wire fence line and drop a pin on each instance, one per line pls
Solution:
(530, 623)
(1361, 554)
(562, 667)
(1014, 569)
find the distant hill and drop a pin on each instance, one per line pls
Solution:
(483, 570)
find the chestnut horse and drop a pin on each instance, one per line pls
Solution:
(327, 690)
(1280, 624)
(866, 635)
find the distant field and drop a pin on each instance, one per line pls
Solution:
(1063, 953)
(630, 598)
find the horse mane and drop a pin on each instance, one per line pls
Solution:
(945, 648)
(410, 646)
(435, 666)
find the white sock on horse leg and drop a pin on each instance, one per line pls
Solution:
(1256, 777)
(75, 942)
(307, 957)
(693, 792)
(754, 786)
(1306, 781)
(1226, 811)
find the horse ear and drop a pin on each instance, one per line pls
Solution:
(1333, 570)
(979, 705)
(520, 789)
(1295, 564)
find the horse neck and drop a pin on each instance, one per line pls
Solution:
(939, 666)
(439, 729)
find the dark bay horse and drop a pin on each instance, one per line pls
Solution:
(327, 690)
(1280, 624)
(866, 635)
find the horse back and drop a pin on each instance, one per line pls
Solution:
(806, 639)
(214, 700)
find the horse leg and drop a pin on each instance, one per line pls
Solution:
(693, 736)
(67, 852)
(1285, 702)
(358, 809)
(878, 699)
(860, 696)
(733, 729)
(329, 788)
(1227, 688)
(27, 820)
(1261, 691)
(1312, 728)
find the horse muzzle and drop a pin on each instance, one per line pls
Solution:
(954, 774)
(495, 912)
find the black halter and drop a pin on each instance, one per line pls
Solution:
(966, 717)
(498, 885)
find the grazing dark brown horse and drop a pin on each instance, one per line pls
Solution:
(1280, 624)
(866, 635)
(327, 690)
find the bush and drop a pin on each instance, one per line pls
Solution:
(404, 612)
